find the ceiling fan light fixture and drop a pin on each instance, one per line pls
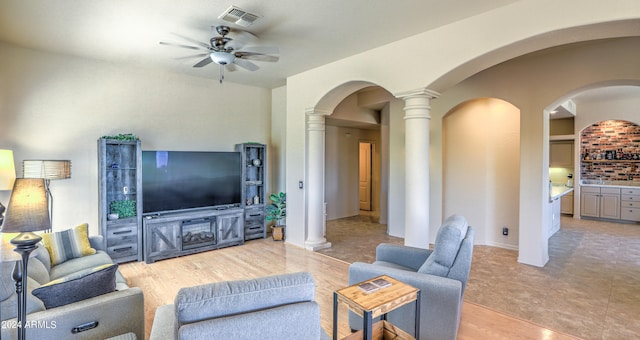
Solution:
(222, 58)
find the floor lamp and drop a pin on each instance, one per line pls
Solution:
(27, 212)
(47, 170)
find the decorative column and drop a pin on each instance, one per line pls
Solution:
(417, 117)
(315, 180)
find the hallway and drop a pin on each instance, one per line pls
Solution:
(590, 287)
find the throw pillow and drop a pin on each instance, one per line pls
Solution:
(68, 244)
(78, 286)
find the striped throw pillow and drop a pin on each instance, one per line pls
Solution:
(69, 244)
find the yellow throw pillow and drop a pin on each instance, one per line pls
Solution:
(69, 244)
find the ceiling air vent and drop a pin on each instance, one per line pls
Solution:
(239, 16)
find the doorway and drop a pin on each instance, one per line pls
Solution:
(365, 175)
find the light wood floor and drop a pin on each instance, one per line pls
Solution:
(160, 282)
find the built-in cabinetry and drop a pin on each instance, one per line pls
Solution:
(566, 204)
(561, 154)
(254, 160)
(630, 204)
(555, 217)
(177, 234)
(600, 202)
(119, 187)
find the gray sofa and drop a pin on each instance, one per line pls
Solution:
(113, 313)
(274, 307)
(441, 275)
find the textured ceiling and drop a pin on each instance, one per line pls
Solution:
(308, 33)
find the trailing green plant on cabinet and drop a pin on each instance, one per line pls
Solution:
(120, 190)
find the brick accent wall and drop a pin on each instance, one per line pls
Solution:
(615, 145)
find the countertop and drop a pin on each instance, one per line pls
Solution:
(616, 184)
(558, 191)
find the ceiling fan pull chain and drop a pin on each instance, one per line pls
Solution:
(221, 73)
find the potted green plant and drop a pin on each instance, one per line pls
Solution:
(277, 211)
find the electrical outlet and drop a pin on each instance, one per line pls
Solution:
(505, 231)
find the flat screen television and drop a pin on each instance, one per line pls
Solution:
(181, 180)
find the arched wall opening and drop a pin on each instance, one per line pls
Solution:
(481, 152)
(617, 99)
(352, 111)
(354, 179)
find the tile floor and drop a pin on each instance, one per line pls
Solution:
(590, 287)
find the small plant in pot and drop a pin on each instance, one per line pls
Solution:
(277, 211)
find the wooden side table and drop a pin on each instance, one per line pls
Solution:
(377, 304)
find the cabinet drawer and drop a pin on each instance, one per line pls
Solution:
(120, 234)
(610, 191)
(591, 189)
(632, 198)
(627, 191)
(123, 250)
(253, 226)
(254, 214)
(630, 214)
(630, 204)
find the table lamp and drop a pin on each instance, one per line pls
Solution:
(7, 175)
(27, 212)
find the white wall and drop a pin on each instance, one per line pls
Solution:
(56, 107)
(597, 110)
(277, 160)
(341, 172)
(482, 166)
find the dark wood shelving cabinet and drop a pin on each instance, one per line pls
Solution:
(254, 160)
(120, 191)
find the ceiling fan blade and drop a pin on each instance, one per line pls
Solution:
(246, 64)
(230, 67)
(257, 56)
(204, 62)
(199, 43)
(262, 49)
(180, 45)
(193, 56)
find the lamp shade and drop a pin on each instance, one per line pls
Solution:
(28, 208)
(7, 170)
(47, 169)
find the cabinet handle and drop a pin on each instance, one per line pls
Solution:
(84, 327)
(122, 232)
(122, 249)
(254, 215)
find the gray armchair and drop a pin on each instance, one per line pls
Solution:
(274, 307)
(441, 275)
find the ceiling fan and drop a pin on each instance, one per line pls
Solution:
(225, 51)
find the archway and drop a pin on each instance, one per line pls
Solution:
(316, 138)
(597, 102)
(481, 147)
